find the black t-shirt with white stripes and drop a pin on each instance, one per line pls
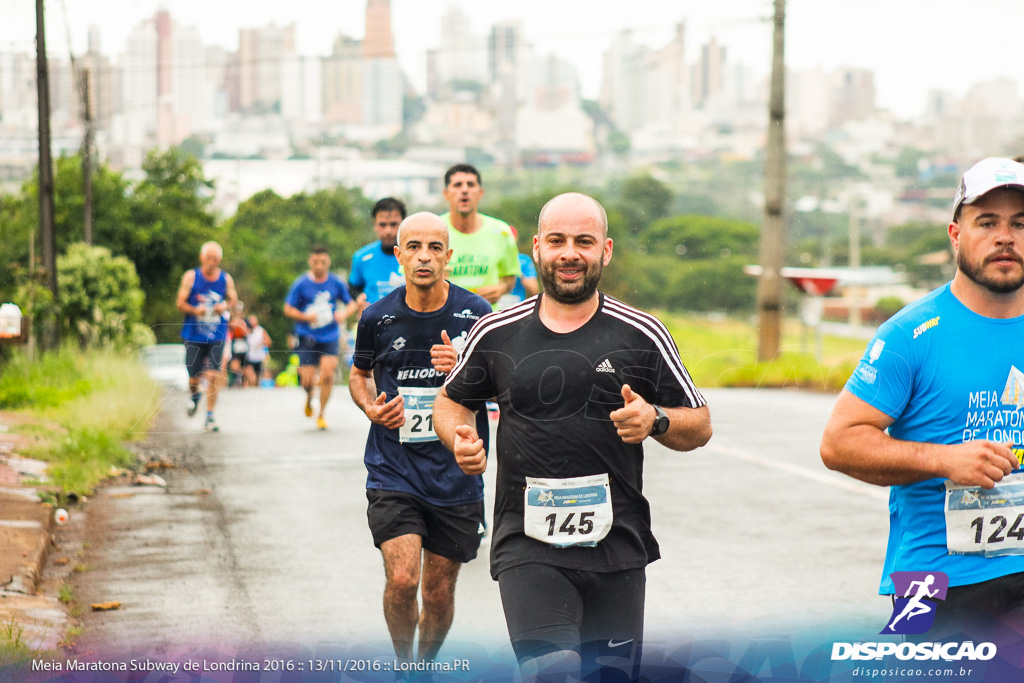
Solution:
(556, 392)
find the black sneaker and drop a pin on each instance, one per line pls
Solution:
(193, 405)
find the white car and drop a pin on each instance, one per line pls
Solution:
(166, 364)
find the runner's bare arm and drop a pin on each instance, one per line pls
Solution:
(855, 443)
(296, 314)
(187, 280)
(454, 426)
(689, 428)
(231, 296)
(363, 390)
(494, 292)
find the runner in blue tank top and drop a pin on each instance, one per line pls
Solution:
(313, 303)
(205, 296)
(933, 410)
(425, 514)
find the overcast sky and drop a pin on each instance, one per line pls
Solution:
(912, 45)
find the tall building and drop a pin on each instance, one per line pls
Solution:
(709, 74)
(461, 56)
(381, 78)
(163, 98)
(853, 95)
(342, 82)
(379, 42)
(667, 83)
(261, 53)
(623, 92)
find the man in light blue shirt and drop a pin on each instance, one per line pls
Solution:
(374, 267)
(933, 411)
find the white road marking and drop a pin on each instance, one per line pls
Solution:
(846, 484)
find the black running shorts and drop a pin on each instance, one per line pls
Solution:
(452, 532)
(598, 614)
(200, 357)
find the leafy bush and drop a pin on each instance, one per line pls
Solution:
(889, 306)
(100, 298)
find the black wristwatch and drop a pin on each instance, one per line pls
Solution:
(660, 425)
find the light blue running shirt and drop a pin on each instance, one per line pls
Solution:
(375, 272)
(947, 375)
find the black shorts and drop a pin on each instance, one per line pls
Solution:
(257, 367)
(199, 357)
(979, 610)
(452, 532)
(598, 614)
(311, 351)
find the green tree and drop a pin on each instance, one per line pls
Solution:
(100, 298)
(690, 263)
(644, 199)
(269, 239)
(170, 217)
(158, 223)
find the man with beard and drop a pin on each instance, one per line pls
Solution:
(951, 408)
(582, 380)
(374, 271)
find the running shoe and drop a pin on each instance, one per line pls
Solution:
(211, 425)
(192, 406)
(321, 423)
(309, 406)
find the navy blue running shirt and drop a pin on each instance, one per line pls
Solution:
(395, 340)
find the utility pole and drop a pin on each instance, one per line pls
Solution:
(87, 154)
(769, 285)
(47, 229)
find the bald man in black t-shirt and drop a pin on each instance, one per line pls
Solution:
(581, 379)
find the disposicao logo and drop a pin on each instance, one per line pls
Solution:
(914, 613)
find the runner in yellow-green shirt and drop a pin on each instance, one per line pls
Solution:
(485, 258)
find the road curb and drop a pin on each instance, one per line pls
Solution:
(26, 534)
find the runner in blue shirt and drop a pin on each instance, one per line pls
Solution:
(205, 296)
(425, 514)
(526, 283)
(312, 303)
(933, 410)
(374, 271)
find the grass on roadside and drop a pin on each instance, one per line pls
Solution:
(15, 653)
(109, 399)
(723, 353)
(47, 382)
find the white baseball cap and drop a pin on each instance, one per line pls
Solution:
(985, 176)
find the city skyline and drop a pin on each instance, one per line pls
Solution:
(951, 50)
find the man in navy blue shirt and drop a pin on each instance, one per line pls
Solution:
(312, 303)
(425, 514)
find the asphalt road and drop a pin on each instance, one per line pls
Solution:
(259, 544)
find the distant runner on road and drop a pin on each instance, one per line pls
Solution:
(425, 514)
(582, 380)
(256, 355)
(485, 258)
(932, 411)
(205, 296)
(317, 302)
(375, 271)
